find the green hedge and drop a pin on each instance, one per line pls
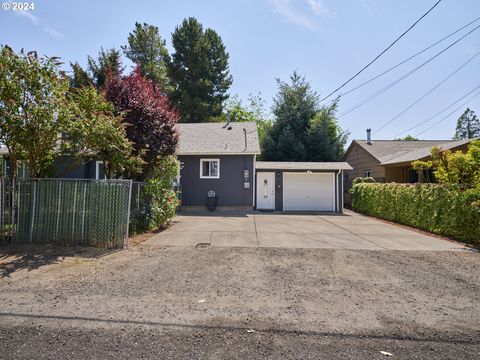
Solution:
(440, 209)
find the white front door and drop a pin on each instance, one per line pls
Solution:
(265, 191)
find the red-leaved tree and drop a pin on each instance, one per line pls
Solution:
(150, 118)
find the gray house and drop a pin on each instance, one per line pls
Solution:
(221, 159)
(218, 157)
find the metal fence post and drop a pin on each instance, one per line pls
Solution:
(74, 210)
(125, 241)
(59, 201)
(32, 214)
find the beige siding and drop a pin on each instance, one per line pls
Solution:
(396, 174)
(361, 161)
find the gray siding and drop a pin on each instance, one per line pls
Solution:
(279, 187)
(66, 169)
(229, 187)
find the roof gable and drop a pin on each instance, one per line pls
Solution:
(421, 153)
(217, 138)
(397, 151)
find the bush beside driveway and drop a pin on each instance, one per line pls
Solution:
(441, 209)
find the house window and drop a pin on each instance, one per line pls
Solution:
(209, 168)
(367, 173)
(99, 170)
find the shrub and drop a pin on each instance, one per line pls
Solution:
(158, 197)
(454, 167)
(360, 180)
(448, 210)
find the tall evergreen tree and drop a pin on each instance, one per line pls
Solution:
(108, 61)
(302, 129)
(325, 139)
(198, 72)
(468, 126)
(148, 51)
(290, 146)
(294, 106)
(79, 78)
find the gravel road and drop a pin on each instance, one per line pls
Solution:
(241, 303)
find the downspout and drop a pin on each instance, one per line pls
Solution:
(245, 136)
(338, 190)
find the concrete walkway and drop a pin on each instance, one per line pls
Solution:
(316, 231)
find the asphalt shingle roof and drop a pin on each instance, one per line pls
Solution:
(423, 152)
(217, 138)
(398, 151)
(291, 165)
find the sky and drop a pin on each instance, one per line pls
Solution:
(327, 41)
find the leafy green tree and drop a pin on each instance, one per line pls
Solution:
(108, 61)
(96, 132)
(454, 167)
(468, 126)
(33, 109)
(199, 72)
(325, 139)
(148, 50)
(79, 77)
(253, 110)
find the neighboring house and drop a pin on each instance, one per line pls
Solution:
(391, 160)
(64, 168)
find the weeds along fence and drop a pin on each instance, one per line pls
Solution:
(71, 212)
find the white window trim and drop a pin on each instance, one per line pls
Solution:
(97, 170)
(365, 171)
(209, 160)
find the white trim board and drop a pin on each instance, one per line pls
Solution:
(209, 160)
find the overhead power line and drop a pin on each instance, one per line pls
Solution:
(410, 58)
(447, 116)
(383, 52)
(403, 77)
(438, 113)
(428, 92)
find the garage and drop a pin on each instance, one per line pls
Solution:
(308, 191)
(299, 186)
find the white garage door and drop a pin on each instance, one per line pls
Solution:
(308, 192)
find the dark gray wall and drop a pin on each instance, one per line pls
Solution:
(66, 168)
(279, 187)
(229, 187)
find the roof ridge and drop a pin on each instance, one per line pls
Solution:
(409, 141)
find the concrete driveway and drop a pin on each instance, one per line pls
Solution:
(314, 231)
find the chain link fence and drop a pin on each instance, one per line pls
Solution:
(70, 212)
